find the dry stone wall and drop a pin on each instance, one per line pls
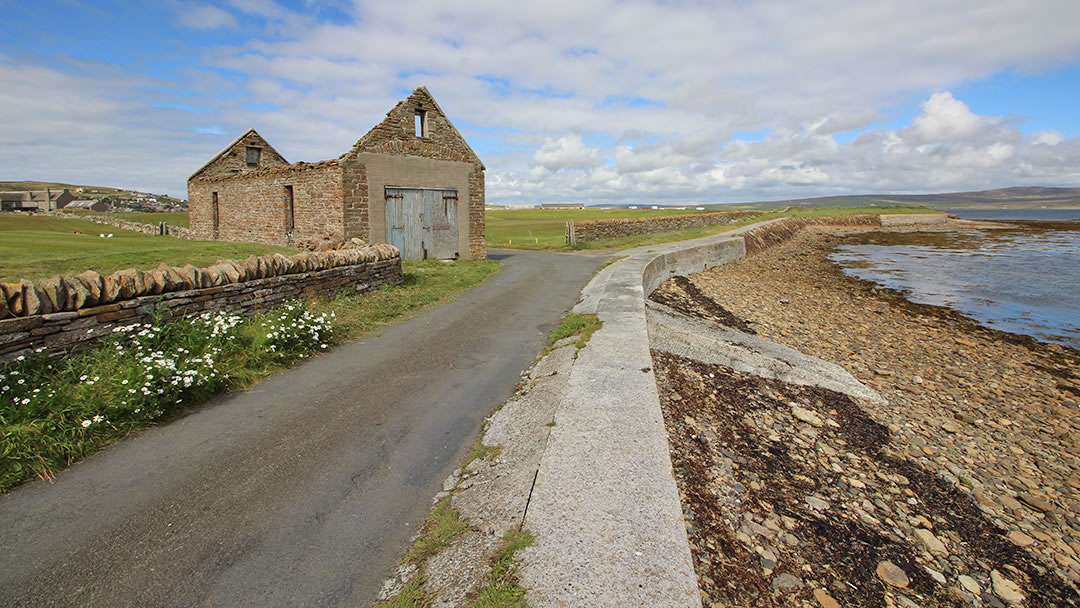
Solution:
(68, 312)
(780, 231)
(595, 230)
(178, 231)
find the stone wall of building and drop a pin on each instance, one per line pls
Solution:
(477, 219)
(70, 312)
(253, 207)
(356, 201)
(234, 159)
(782, 230)
(594, 230)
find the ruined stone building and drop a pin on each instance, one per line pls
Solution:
(412, 181)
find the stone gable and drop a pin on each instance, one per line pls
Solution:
(396, 134)
(234, 157)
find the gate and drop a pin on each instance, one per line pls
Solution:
(422, 222)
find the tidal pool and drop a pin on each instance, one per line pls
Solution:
(1024, 280)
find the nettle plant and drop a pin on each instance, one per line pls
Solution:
(55, 410)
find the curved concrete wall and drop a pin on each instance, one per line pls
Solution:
(605, 507)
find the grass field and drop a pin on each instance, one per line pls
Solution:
(172, 219)
(37, 247)
(545, 229)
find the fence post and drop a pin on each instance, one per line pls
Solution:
(571, 234)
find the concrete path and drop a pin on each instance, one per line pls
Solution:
(303, 491)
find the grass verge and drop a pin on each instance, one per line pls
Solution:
(55, 412)
(425, 284)
(412, 595)
(441, 527)
(500, 588)
(573, 324)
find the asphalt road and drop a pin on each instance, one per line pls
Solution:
(303, 491)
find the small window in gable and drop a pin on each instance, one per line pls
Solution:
(420, 123)
(253, 154)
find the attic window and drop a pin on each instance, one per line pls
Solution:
(253, 154)
(419, 123)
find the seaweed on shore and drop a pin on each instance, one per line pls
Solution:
(743, 464)
(680, 294)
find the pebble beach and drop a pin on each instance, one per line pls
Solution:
(963, 489)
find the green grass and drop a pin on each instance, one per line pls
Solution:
(537, 229)
(480, 451)
(172, 219)
(574, 324)
(37, 247)
(500, 588)
(142, 217)
(545, 229)
(441, 527)
(412, 595)
(425, 285)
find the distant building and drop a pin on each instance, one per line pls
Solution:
(35, 200)
(562, 206)
(93, 204)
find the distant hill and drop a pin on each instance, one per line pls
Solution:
(1022, 197)
(22, 186)
(87, 191)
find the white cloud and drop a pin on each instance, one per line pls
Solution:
(207, 17)
(568, 152)
(660, 88)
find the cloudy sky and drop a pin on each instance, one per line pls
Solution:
(659, 101)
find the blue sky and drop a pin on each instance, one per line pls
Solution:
(593, 101)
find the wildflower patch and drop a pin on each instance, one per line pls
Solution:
(55, 411)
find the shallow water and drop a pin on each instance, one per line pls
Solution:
(1024, 281)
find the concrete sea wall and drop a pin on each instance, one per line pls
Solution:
(605, 505)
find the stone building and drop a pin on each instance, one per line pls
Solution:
(412, 181)
(35, 200)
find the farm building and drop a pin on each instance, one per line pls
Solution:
(412, 181)
(90, 204)
(35, 200)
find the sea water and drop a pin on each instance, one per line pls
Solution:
(1024, 281)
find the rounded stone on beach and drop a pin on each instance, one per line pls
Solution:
(1005, 589)
(892, 574)
(825, 599)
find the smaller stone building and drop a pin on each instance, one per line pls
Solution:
(412, 181)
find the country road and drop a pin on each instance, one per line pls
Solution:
(304, 490)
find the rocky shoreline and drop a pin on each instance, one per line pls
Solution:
(964, 489)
